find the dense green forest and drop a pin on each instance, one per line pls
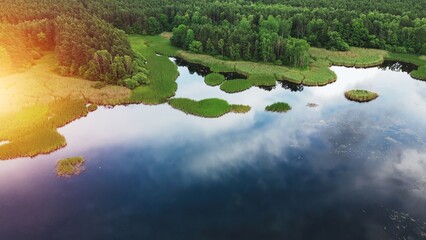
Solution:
(278, 31)
(85, 44)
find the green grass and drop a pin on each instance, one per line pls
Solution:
(237, 85)
(278, 107)
(32, 131)
(355, 57)
(214, 79)
(360, 95)
(259, 74)
(420, 73)
(162, 72)
(240, 108)
(208, 108)
(420, 61)
(262, 80)
(70, 166)
(318, 76)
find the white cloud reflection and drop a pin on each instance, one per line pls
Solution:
(236, 139)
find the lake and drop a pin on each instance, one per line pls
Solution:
(341, 170)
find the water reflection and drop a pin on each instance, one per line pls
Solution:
(398, 66)
(342, 170)
(294, 87)
(201, 70)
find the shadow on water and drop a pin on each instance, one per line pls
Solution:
(398, 66)
(293, 87)
(204, 71)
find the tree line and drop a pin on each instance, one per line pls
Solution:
(277, 31)
(85, 44)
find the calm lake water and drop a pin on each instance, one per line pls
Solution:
(341, 170)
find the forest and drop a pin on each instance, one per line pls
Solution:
(85, 36)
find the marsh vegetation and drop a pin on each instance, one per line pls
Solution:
(279, 107)
(361, 95)
(208, 108)
(70, 166)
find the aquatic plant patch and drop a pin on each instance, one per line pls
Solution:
(279, 107)
(214, 79)
(70, 166)
(361, 95)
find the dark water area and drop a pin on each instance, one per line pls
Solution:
(341, 170)
(398, 66)
(193, 68)
(199, 69)
(294, 87)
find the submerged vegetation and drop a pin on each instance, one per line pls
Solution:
(70, 166)
(279, 107)
(240, 108)
(361, 95)
(208, 108)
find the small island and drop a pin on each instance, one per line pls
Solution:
(70, 166)
(279, 107)
(207, 108)
(235, 86)
(214, 79)
(361, 95)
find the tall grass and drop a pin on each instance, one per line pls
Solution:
(32, 131)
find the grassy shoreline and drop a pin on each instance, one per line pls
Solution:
(35, 93)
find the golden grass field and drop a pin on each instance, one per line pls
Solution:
(37, 101)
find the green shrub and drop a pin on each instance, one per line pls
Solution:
(141, 78)
(131, 83)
